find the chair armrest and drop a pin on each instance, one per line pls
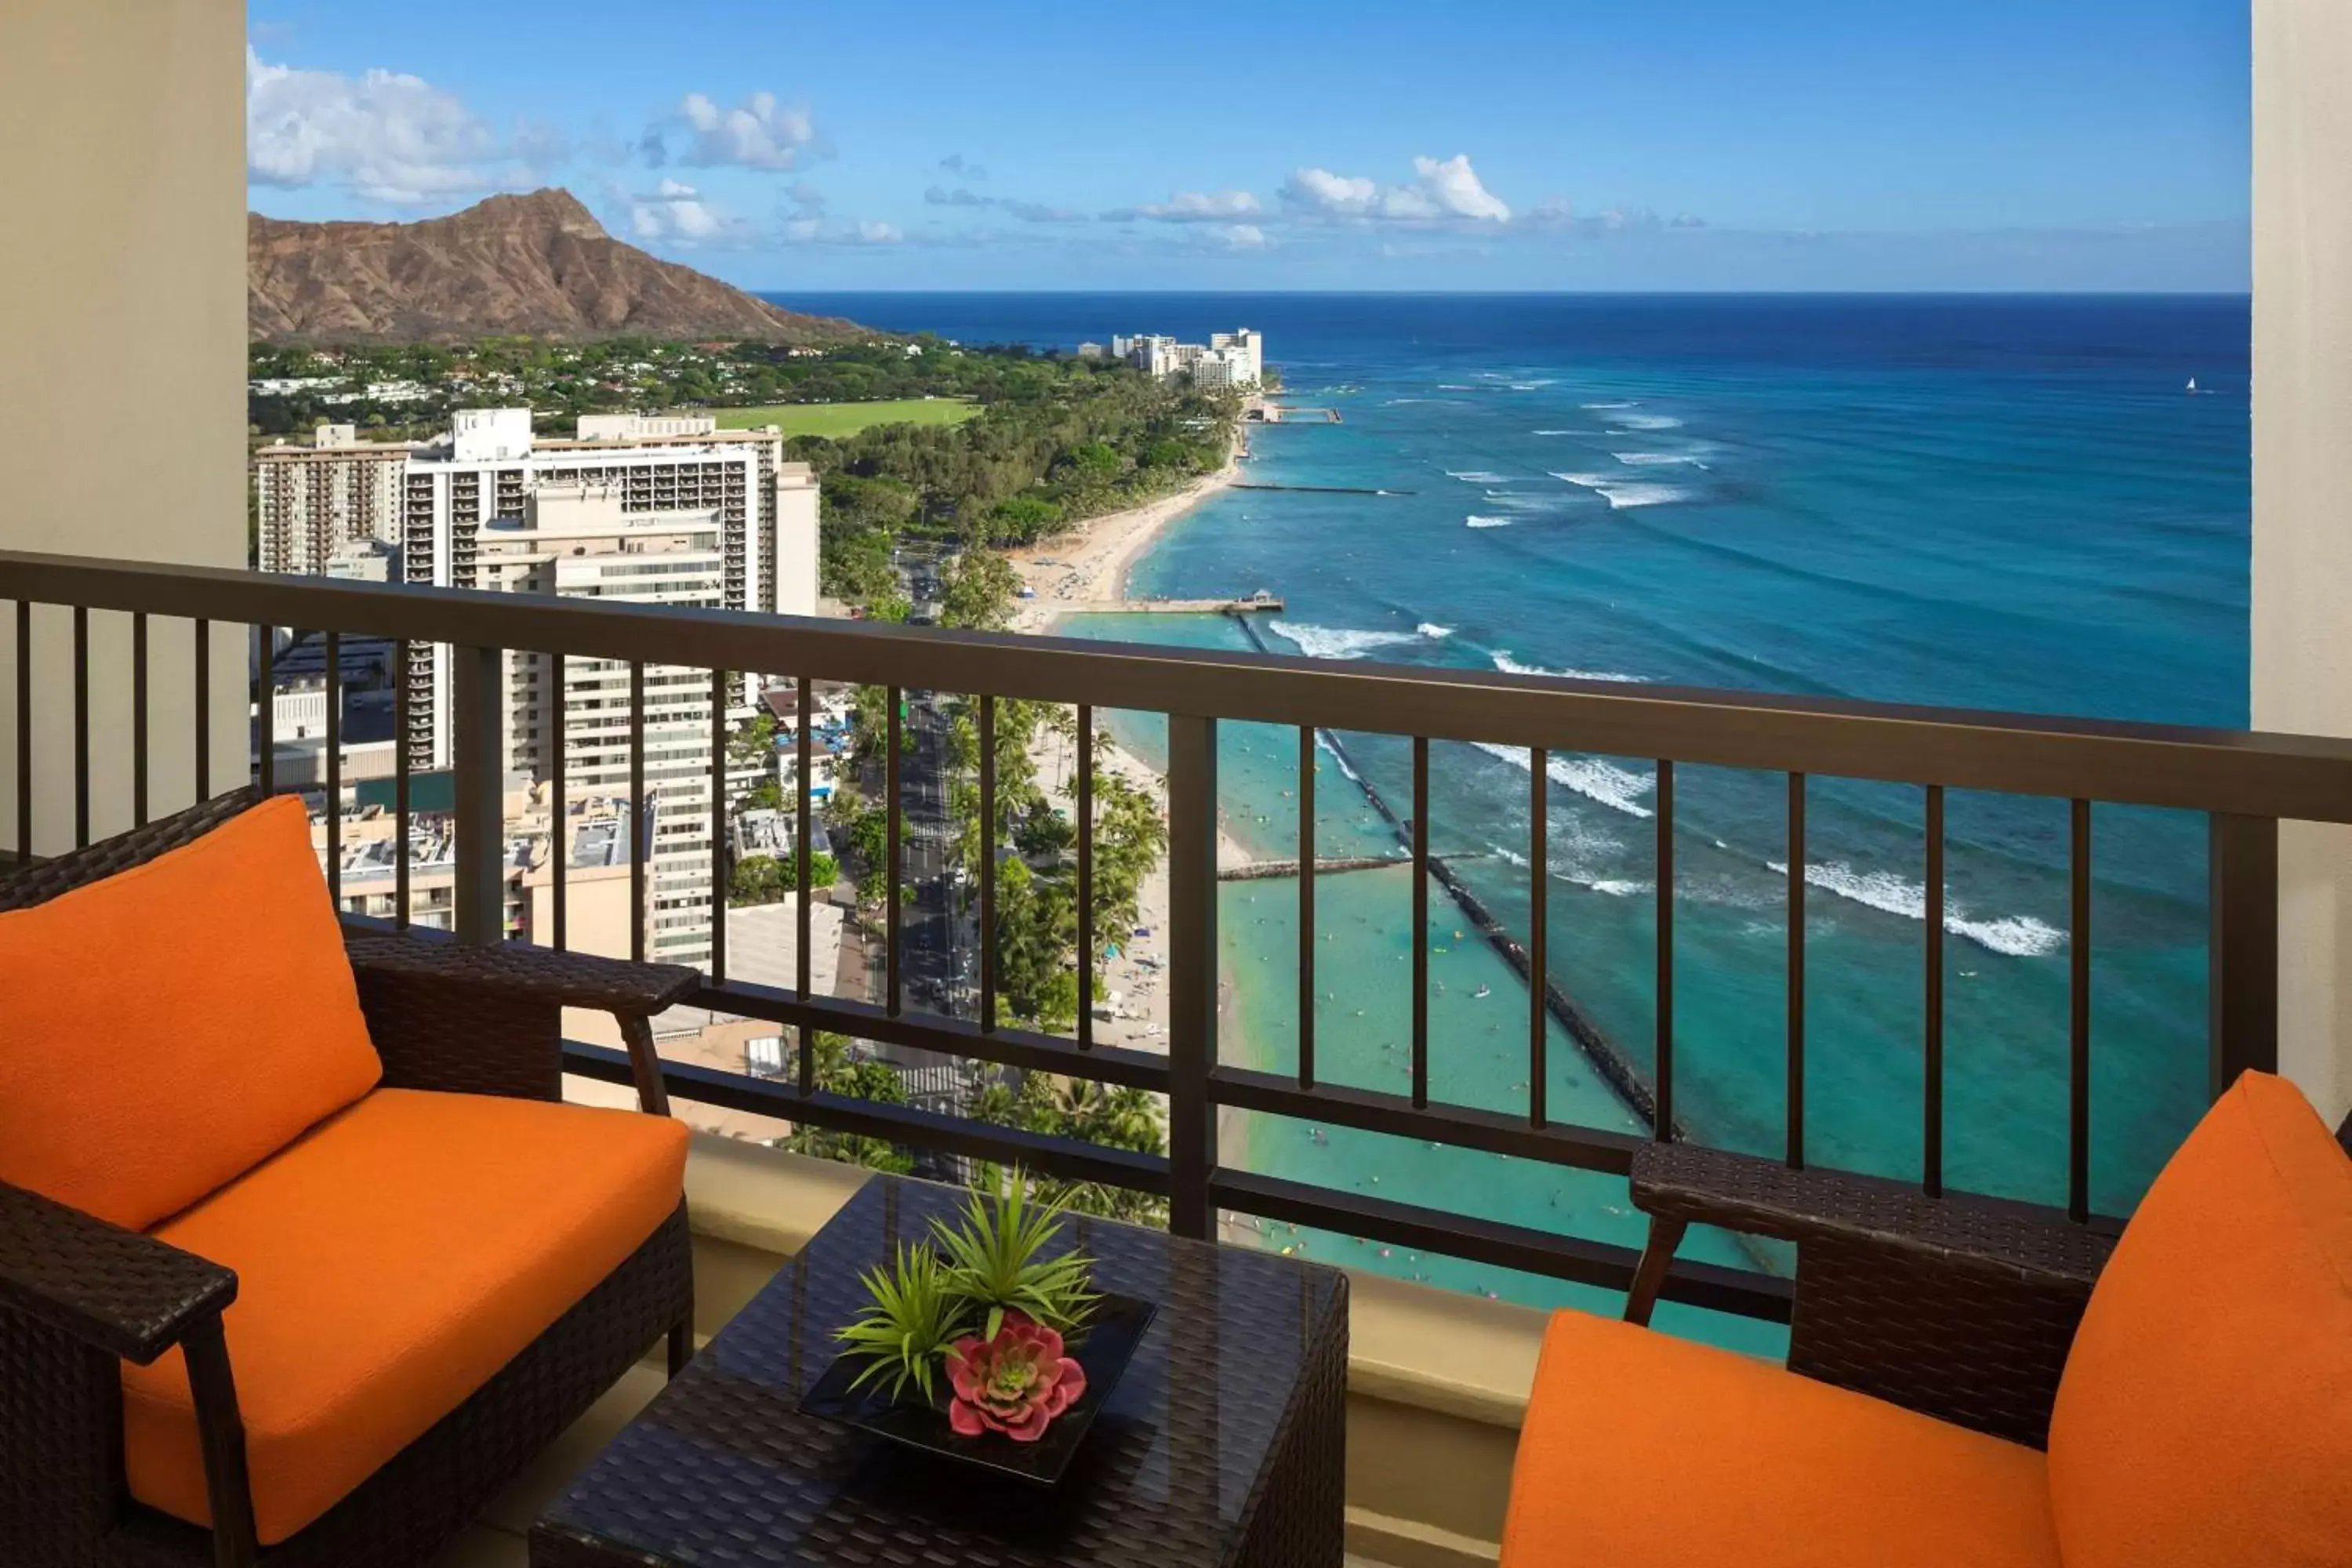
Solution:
(1959, 1231)
(121, 1292)
(1960, 1307)
(523, 973)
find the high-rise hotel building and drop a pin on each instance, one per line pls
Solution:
(659, 470)
(337, 496)
(644, 509)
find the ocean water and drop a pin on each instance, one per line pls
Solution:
(1991, 501)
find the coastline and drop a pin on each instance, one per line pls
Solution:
(1092, 564)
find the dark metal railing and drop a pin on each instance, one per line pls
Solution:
(2244, 782)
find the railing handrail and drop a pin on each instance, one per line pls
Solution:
(2240, 773)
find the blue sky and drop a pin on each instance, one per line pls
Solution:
(1299, 144)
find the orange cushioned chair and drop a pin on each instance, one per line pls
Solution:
(2202, 1414)
(300, 1254)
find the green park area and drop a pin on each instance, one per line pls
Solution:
(838, 421)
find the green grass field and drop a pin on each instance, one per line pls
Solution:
(836, 420)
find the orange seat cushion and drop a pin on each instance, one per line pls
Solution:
(2206, 1413)
(1641, 1449)
(388, 1265)
(168, 1028)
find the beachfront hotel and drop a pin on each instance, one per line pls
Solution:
(539, 1251)
(1235, 360)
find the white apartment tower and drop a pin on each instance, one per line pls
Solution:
(761, 510)
(584, 539)
(314, 503)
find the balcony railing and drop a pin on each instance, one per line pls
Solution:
(2244, 783)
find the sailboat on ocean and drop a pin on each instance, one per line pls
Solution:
(2192, 386)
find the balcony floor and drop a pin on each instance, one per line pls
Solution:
(496, 1540)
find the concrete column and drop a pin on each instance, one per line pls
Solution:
(2303, 495)
(121, 372)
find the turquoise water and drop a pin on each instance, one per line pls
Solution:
(2003, 503)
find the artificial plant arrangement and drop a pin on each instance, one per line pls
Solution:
(978, 1308)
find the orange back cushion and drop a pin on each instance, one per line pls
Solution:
(165, 1030)
(2206, 1413)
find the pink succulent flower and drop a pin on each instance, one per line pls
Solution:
(1014, 1384)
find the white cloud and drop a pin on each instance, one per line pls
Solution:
(1241, 237)
(813, 230)
(1442, 191)
(759, 133)
(1200, 207)
(390, 137)
(676, 212)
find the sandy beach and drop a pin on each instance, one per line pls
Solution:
(1090, 566)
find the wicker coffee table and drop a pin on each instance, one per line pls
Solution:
(1223, 1443)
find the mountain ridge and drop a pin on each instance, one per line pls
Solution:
(537, 264)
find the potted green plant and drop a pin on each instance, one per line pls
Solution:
(983, 1341)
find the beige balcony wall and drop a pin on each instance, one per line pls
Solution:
(121, 368)
(2302, 494)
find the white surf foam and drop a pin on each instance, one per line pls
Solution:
(1657, 459)
(1336, 642)
(1621, 889)
(2019, 936)
(1477, 477)
(1556, 432)
(1603, 405)
(1341, 642)
(1509, 666)
(1620, 495)
(1646, 421)
(1339, 760)
(1620, 789)
(1475, 521)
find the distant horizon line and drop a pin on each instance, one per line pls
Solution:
(2246, 293)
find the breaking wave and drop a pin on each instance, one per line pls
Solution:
(1340, 642)
(1509, 666)
(1620, 789)
(1475, 521)
(1620, 495)
(2019, 936)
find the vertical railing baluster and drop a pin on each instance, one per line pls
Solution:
(988, 865)
(1931, 1133)
(894, 850)
(400, 769)
(641, 817)
(81, 724)
(1796, 985)
(2078, 1094)
(1307, 907)
(477, 706)
(23, 732)
(1663, 1128)
(1191, 972)
(203, 709)
(2241, 988)
(719, 856)
(139, 719)
(801, 829)
(1538, 928)
(265, 726)
(560, 806)
(1084, 803)
(335, 770)
(1420, 922)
